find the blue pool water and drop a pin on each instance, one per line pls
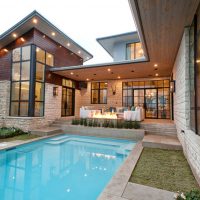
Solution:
(64, 167)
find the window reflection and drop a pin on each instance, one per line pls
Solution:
(40, 55)
(134, 51)
(49, 59)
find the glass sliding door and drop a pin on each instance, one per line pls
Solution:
(138, 97)
(151, 103)
(67, 101)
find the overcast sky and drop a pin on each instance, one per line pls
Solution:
(82, 20)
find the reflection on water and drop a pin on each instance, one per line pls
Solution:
(70, 170)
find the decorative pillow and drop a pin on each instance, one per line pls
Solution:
(132, 108)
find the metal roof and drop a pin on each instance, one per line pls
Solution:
(46, 27)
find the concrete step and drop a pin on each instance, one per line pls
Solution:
(161, 142)
(46, 131)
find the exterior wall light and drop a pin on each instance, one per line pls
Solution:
(172, 86)
(55, 91)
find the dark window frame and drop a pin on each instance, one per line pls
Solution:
(99, 92)
(32, 81)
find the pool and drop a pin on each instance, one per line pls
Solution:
(65, 167)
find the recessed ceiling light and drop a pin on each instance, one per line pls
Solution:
(118, 77)
(87, 79)
(109, 69)
(156, 74)
(35, 21)
(44, 36)
(68, 44)
(71, 53)
(14, 35)
(156, 69)
(22, 39)
(155, 65)
(60, 46)
(79, 52)
(6, 50)
(53, 33)
(72, 73)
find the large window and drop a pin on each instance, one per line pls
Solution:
(27, 81)
(134, 51)
(99, 92)
(20, 81)
(153, 95)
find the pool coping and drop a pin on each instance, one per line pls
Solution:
(16, 143)
(117, 185)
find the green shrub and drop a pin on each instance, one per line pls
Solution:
(75, 121)
(81, 121)
(95, 123)
(111, 124)
(136, 125)
(192, 195)
(126, 124)
(105, 123)
(85, 122)
(90, 122)
(10, 132)
(119, 124)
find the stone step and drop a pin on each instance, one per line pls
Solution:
(161, 142)
(46, 131)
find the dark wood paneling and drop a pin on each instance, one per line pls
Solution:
(5, 58)
(62, 56)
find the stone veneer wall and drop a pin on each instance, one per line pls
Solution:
(52, 109)
(189, 140)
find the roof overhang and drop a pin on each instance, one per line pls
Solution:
(108, 42)
(47, 28)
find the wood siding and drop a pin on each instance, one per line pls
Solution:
(62, 56)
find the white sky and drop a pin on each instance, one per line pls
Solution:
(82, 20)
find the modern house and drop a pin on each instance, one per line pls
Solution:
(42, 76)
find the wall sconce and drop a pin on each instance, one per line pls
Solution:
(172, 86)
(55, 91)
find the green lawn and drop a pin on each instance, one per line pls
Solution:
(19, 137)
(164, 169)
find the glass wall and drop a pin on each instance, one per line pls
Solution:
(99, 92)
(28, 78)
(134, 51)
(20, 81)
(153, 96)
(68, 97)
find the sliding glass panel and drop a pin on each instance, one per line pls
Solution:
(14, 108)
(40, 55)
(49, 59)
(24, 90)
(16, 55)
(151, 103)
(15, 91)
(23, 108)
(16, 71)
(40, 72)
(25, 73)
(26, 53)
(39, 91)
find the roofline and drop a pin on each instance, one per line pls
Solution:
(35, 13)
(55, 69)
(117, 35)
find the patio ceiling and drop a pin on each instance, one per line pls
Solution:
(160, 24)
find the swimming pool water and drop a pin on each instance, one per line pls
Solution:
(64, 167)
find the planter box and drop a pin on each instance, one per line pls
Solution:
(131, 134)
